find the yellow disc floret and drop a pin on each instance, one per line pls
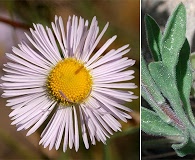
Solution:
(69, 82)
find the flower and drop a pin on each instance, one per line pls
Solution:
(63, 76)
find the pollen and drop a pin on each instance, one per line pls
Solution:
(69, 82)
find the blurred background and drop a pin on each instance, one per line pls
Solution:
(16, 17)
(160, 10)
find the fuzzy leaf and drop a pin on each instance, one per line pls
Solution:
(153, 124)
(148, 82)
(173, 37)
(185, 148)
(153, 35)
(192, 60)
(151, 93)
(166, 83)
(184, 79)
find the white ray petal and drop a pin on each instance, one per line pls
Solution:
(49, 58)
(12, 93)
(101, 50)
(61, 129)
(96, 42)
(54, 134)
(113, 110)
(29, 110)
(71, 133)
(65, 144)
(26, 54)
(83, 129)
(109, 57)
(43, 118)
(90, 126)
(53, 127)
(76, 138)
(117, 85)
(42, 44)
(123, 95)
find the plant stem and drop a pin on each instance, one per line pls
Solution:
(14, 23)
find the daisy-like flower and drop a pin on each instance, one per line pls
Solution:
(63, 76)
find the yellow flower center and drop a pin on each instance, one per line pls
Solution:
(69, 82)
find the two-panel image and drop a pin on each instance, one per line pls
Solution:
(97, 80)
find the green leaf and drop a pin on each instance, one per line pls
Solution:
(184, 79)
(151, 93)
(153, 35)
(173, 37)
(166, 83)
(192, 60)
(171, 76)
(148, 82)
(152, 124)
(185, 148)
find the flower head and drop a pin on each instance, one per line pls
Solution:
(62, 75)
